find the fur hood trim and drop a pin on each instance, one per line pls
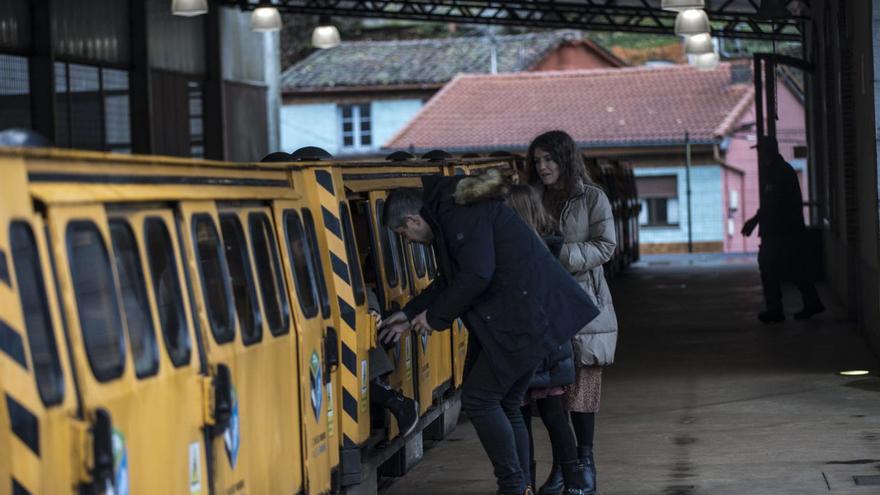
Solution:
(487, 185)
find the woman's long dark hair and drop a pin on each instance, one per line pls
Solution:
(565, 153)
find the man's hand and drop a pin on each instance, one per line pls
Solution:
(749, 226)
(420, 323)
(393, 327)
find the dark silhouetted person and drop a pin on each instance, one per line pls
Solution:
(781, 222)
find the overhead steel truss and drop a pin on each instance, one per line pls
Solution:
(730, 18)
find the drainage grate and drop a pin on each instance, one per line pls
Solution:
(871, 479)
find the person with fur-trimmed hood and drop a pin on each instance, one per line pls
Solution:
(497, 275)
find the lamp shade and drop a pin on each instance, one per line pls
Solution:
(680, 5)
(706, 61)
(326, 36)
(699, 44)
(691, 22)
(189, 8)
(265, 19)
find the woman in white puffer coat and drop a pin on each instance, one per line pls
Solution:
(586, 224)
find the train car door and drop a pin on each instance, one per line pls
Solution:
(311, 349)
(264, 320)
(121, 284)
(362, 336)
(426, 352)
(348, 305)
(259, 394)
(39, 400)
(439, 344)
(389, 257)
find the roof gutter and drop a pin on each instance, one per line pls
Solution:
(325, 90)
(581, 144)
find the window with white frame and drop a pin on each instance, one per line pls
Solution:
(658, 196)
(357, 126)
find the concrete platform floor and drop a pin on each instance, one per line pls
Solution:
(703, 399)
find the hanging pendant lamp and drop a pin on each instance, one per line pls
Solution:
(681, 5)
(706, 61)
(265, 19)
(189, 8)
(699, 44)
(326, 35)
(692, 22)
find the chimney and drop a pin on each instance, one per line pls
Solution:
(741, 72)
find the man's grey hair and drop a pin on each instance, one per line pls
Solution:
(400, 204)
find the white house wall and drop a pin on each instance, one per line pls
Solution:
(391, 115)
(707, 205)
(317, 124)
(311, 124)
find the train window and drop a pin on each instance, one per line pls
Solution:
(399, 256)
(312, 237)
(432, 261)
(418, 256)
(212, 269)
(166, 290)
(135, 304)
(269, 274)
(357, 280)
(37, 319)
(303, 271)
(96, 303)
(242, 279)
(387, 249)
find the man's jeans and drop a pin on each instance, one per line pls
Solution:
(495, 412)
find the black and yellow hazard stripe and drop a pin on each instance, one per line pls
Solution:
(4, 269)
(351, 396)
(19, 398)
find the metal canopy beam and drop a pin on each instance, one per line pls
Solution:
(730, 18)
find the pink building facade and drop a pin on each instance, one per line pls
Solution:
(740, 156)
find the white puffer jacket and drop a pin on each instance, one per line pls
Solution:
(589, 239)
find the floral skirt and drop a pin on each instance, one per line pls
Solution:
(585, 393)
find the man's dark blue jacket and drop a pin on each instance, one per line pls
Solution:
(498, 276)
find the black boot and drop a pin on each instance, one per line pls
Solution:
(554, 484)
(405, 411)
(585, 455)
(578, 478)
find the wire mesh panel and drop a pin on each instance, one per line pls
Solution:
(15, 101)
(196, 120)
(117, 112)
(86, 109)
(62, 109)
(92, 108)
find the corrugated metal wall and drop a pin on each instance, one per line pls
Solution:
(175, 43)
(15, 25)
(93, 31)
(246, 122)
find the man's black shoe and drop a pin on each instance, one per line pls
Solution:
(406, 412)
(771, 316)
(809, 311)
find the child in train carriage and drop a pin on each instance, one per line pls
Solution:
(404, 409)
(546, 390)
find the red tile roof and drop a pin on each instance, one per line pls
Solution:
(599, 108)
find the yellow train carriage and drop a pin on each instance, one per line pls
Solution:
(177, 323)
(186, 326)
(42, 438)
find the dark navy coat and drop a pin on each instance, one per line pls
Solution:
(498, 276)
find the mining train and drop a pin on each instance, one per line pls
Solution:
(184, 326)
